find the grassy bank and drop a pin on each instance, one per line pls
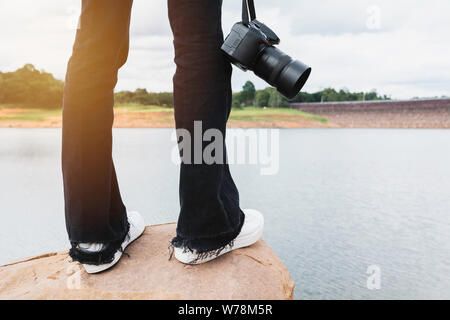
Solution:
(137, 116)
(272, 116)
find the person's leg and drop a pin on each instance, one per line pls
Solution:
(210, 216)
(93, 206)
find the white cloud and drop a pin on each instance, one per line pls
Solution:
(406, 57)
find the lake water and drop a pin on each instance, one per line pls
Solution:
(343, 200)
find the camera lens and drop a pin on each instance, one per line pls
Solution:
(281, 71)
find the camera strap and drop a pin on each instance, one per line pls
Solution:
(248, 5)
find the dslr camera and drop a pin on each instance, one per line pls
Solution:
(251, 46)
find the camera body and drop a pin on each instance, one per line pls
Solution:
(251, 46)
(245, 43)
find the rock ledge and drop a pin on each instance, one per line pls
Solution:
(249, 273)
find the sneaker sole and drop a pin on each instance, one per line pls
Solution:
(91, 269)
(239, 242)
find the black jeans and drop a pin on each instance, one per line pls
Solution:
(210, 216)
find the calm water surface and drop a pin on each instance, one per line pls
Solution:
(343, 200)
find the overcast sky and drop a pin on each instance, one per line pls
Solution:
(401, 48)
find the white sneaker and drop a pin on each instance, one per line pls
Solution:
(137, 227)
(250, 233)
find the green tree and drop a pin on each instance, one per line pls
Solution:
(31, 87)
(277, 100)
(262, 98)
(2, 85)
(372, 95)
(143, 97)
(237, 100)
(248, 93)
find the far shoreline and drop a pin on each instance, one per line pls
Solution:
(411, 114)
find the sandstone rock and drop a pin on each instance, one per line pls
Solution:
(249, 273)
